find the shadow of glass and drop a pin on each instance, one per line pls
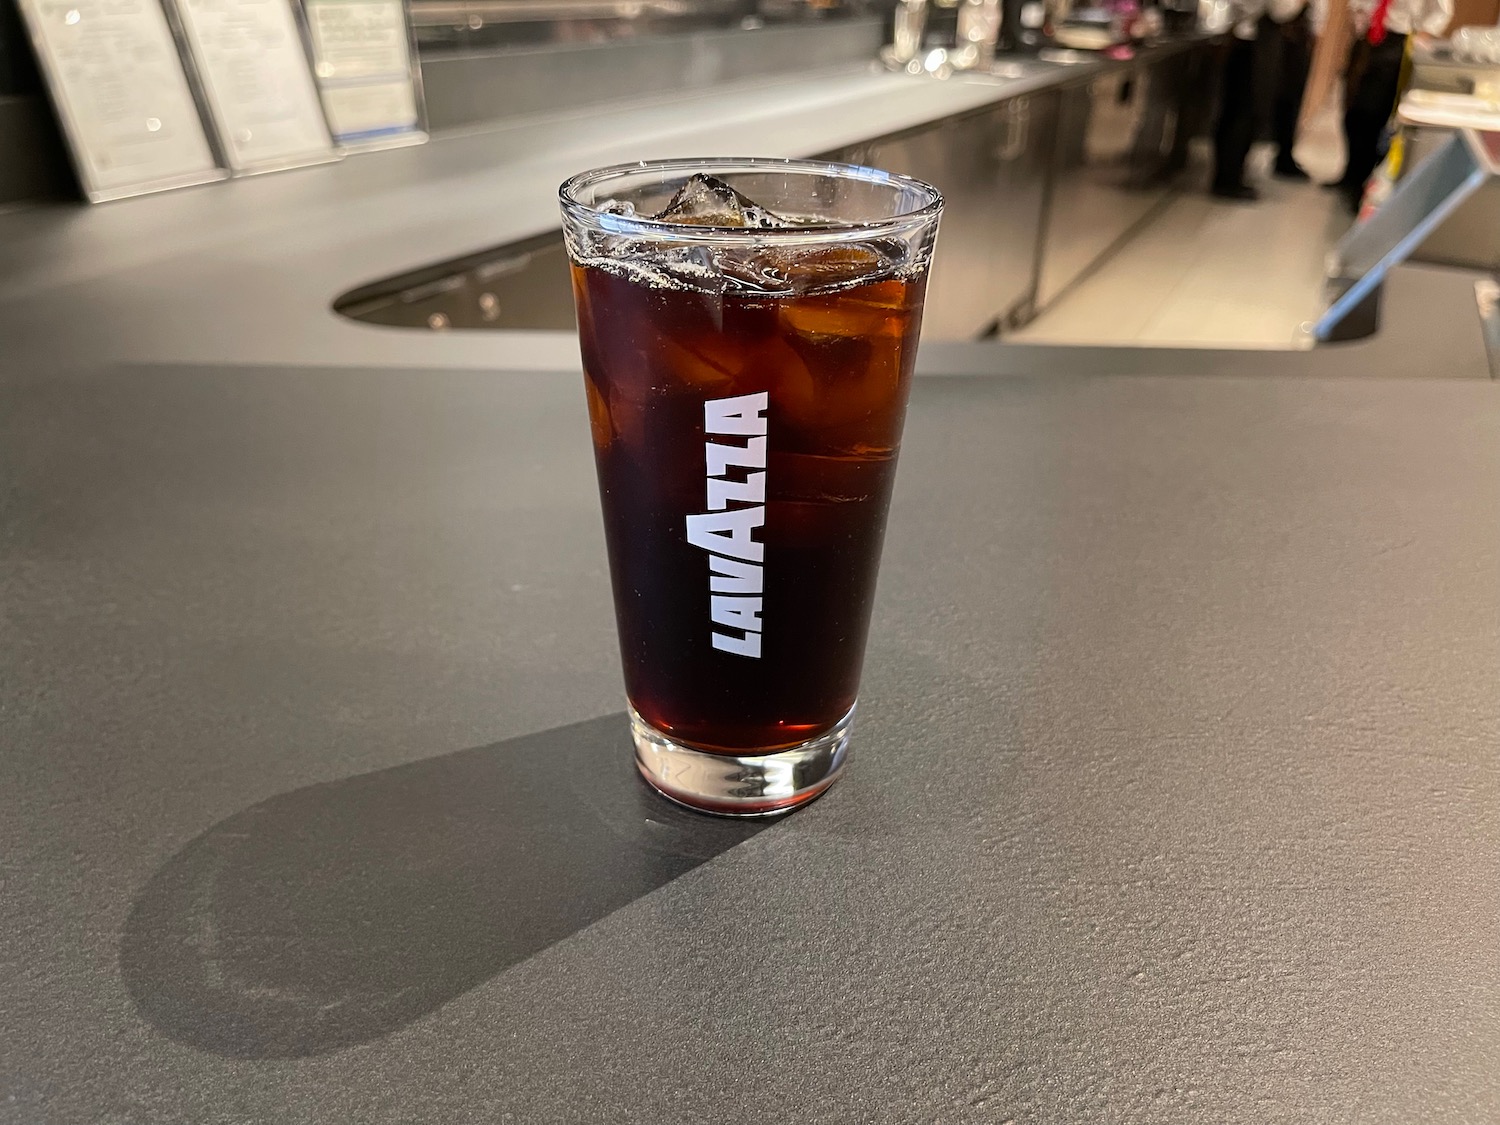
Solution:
(338, 913)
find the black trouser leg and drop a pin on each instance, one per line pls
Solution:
(1236, 127)
(1249, 92)
(1354, 72)
(1368, 107)
(1291, 82)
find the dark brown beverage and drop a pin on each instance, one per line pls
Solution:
(746, 446)
(748, 329)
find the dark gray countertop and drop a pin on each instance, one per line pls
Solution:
(1173, 793)
(1174, 786)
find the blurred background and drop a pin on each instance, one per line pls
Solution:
(1104, 218)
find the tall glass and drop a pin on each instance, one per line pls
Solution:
(747, 371)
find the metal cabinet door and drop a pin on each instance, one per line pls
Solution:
(986, 166)
(950, 156)
(1016, 205)
(1095, 201)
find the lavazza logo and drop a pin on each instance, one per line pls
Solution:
(737, 506)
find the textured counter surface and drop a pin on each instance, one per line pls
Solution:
(1173, 795)
(1174, 786)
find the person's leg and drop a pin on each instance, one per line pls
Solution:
(1362, 127)
(1296, 62)
(1369, 110)
(1354, 73)
(1236, 122)
(1265, 71)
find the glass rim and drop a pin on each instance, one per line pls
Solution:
(576, 210)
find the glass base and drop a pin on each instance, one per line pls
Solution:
(740, 785)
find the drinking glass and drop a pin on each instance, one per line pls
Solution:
(748, 329)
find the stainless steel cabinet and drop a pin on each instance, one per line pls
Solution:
(1017, 215)
(992, 170)
(1103, 182)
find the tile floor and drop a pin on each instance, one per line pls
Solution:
(1207, 271)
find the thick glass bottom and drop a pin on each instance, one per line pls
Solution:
(740, 784)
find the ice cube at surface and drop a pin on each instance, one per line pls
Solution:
(707, 201)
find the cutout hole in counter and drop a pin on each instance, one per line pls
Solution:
(521, 285)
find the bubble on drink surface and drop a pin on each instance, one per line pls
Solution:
(647, 263)
(707, 201)
(694, 265)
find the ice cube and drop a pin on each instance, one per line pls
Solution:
(708, 363)
(837, 316)
(755, 270)
(707, 201)
(828, 266)
(783, 270)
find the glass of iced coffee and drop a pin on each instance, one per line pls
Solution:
(748, 329)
